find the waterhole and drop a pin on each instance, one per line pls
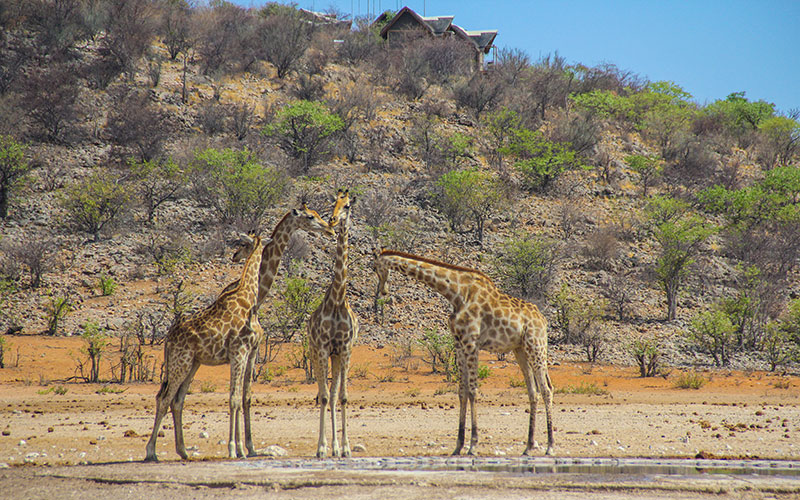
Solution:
(541, 465)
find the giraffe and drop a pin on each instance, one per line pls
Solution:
(483, 318)
(211, 336)
(332, 330)
(270, 257)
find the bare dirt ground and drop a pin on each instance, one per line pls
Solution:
(89, 437)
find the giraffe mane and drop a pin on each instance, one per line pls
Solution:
(433, 262)
(238, 284)
(275, 230)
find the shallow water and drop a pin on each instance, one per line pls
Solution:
(541, 465)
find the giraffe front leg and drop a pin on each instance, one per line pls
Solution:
(462, 402)
(336, 363)
(247, 400)
(343, 401)
(235, 445)
(321, 369)
(472, 391)
(547, 395)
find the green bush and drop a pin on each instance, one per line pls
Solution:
(468, 195)
(649, 169)
(713, 333)
(647, 353)
(690, 380)
(156, 181)
(440, 351)
(237, 185)
(95, 342)
(57, 309)
(13, 169)
(538, 160)
(526, 264)
(107, 285)
(304, 130)
(96, 202)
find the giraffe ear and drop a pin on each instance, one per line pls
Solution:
(247, 238)
(296, 212)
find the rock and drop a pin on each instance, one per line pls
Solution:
(204, 435)
(275, 451)
(593, 442)
(22, 442)
(358, 448)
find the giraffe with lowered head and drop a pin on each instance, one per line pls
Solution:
(212, 336)
(483, 317)
(332, 330)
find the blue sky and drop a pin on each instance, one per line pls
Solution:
(709, 47)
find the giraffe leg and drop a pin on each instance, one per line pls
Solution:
(336, 364)
(462, 400)
(247, 400)
(472, 391)
(177, 411)
(343, 370)
(235, 445)
(321, 368)
(164, 398)
(546, 388)
(524, 363)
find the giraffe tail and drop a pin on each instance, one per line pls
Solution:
(164, 376)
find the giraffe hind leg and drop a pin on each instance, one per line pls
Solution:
(166, 395)
(523, 361)
(176, 407)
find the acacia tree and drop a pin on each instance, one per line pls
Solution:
(13, 167)
(469, 195)
(649, 169)
(680, 236)
(95, 203)
(237, 184)
(304, 130)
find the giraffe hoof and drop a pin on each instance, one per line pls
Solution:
(151, 458)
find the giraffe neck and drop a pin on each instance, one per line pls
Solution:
(439, 277)
(271, 256)
(338, 288)
(248, 282)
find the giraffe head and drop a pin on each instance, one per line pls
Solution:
(310, 221)
(381, 269)
(342, 207)
(245, 245)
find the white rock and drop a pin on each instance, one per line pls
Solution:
(4, 465)
(593, 442)
(275, 451)
(222, 441)
(22, 442)
(358, 448)
(204, 435)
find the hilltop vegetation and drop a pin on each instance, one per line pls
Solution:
(138, 136)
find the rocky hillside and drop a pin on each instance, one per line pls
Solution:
(143, 148)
